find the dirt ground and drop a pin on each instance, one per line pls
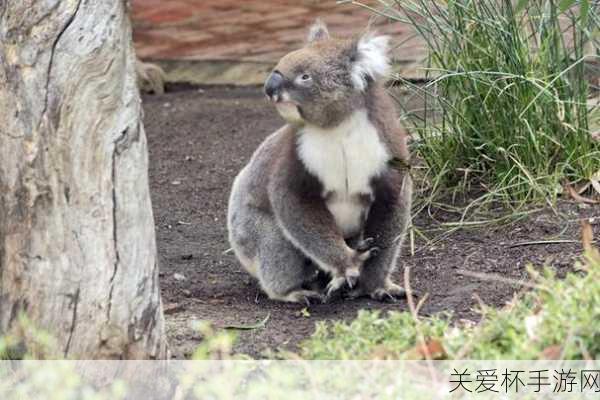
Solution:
(199, 138)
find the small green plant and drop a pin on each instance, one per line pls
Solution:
(28, 342)
(370, 336)
(216, 345)
(558, 319)
(509, 93)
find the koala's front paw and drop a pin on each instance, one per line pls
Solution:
(349, 279)
(368, 254)
(365, 250)
(365, 244)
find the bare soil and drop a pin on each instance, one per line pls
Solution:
(199, 138)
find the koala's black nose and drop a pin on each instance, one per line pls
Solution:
(273, 84)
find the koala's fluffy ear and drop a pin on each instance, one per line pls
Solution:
(318, 31)
(371, 60)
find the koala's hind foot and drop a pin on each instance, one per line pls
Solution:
(302, 296)
(390, 292)
(283, 271)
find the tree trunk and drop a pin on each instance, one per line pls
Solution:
(77, 243)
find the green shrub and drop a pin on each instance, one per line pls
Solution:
(560, 317)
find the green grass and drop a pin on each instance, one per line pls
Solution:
(559, 317)
(509, 95)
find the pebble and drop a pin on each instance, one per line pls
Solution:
(179, 277)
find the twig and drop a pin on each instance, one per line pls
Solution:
(538, 242)
(584, 351)
(568, 340)
(421, 302)
(414, 312)
(479, 300)
(411, 234)
(498, 278)
(409, 298)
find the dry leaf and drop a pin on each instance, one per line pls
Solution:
(305, 313)
(432, 350)
(587, 240)
(577, 197)
(587, 235)
(553, 352)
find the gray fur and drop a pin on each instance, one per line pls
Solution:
(331, 96)
(279, 224)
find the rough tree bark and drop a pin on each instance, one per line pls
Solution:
(77, 242)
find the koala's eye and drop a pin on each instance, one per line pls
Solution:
(303, 79)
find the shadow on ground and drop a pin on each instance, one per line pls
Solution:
(200, 138)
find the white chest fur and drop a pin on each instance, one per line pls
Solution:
(345, 159)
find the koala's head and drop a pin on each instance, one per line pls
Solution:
(325, 81)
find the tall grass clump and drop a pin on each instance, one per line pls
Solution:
(510, 93)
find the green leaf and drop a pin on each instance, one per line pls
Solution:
(585, 11)
(250, 327)
(305, 313)
(565, 4)
(521, 5)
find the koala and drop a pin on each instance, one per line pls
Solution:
(329, 193)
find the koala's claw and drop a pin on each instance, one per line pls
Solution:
(334, 285)
(351, 276)
(383, 296)
(351, 281)
(365, 244)
(303, 296)
(319, 298)
(390, 293)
